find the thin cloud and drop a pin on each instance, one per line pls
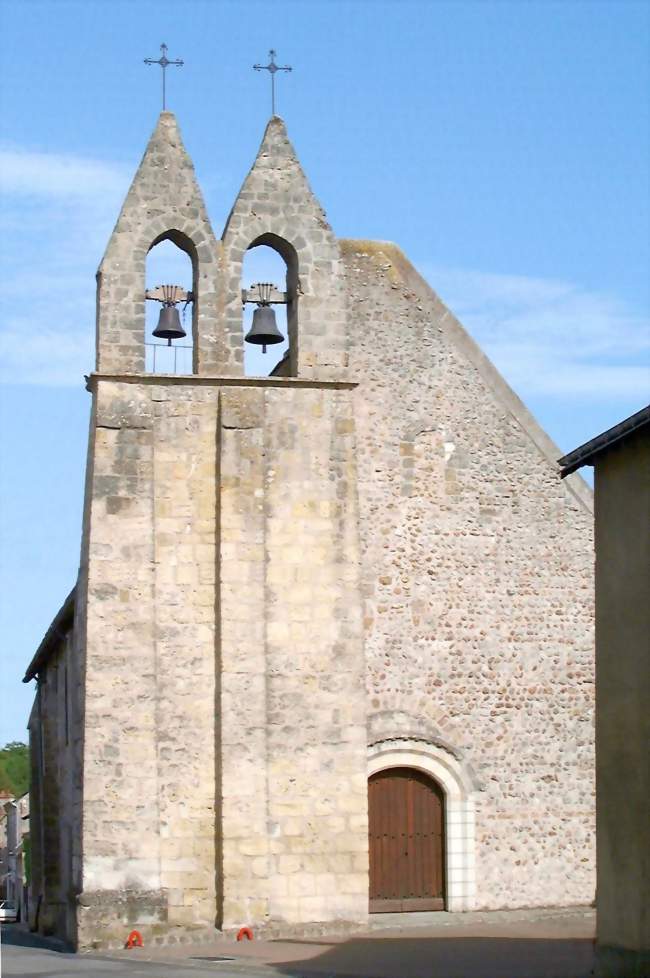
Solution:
(550, 337)
(24, 173)
(57, 211)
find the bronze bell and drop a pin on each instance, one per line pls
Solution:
(169, 325)
(264, 330)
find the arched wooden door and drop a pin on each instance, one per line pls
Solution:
(406, 836)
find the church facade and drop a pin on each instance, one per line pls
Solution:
(330, 650)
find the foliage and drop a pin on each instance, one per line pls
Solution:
(14, 768)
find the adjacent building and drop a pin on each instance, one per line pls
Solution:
(14, 857)
(621, 461)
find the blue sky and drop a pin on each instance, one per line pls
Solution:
(503, 146)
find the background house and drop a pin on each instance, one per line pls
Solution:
(621, 461)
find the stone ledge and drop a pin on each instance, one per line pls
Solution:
(202, 380)
(273, 930)
(171, 935)
(444, 918)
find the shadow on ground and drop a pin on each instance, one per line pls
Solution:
(448, 957)
(17, 935)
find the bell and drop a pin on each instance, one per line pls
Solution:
(169, 325)
(264, 331)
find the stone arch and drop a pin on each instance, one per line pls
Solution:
(279, 244)
(181, 239)
(459, 786)
(288, 366)
(297, 257)
(184, 243)
(191, 238)
(129, 277)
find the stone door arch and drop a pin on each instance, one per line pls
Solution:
(459, 785)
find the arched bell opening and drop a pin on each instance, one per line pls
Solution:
(171, 313)
(270, 317)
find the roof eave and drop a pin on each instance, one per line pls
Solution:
(585, 454)
(57, 630)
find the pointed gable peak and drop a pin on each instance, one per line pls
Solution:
(276, 188)
(276, 129)
(166, 120)
(164, 170)
(165, 145)
(276, 149)
(164, 193)
(167, 128)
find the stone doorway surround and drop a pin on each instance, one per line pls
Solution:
(459, 787)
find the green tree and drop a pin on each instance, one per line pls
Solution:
(14, 768)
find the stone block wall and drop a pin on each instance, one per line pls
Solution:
(478, 584)
(149, 784)
(224, 755)
(292, 671)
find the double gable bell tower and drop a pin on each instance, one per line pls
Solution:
(218, 606)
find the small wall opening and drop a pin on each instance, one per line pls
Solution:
(170, 262)
(271, 259)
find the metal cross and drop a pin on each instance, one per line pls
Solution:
(163, 61)
(271, 67)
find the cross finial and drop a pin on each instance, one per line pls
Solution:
(271, 67)
(163, 61)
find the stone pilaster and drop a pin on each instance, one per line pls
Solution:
(293, 701)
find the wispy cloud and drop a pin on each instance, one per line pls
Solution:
(57, 212)
(55, 175)
(549, 337)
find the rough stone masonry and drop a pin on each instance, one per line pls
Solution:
(364, 561)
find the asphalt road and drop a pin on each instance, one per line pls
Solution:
(28, 962)
(482, 946)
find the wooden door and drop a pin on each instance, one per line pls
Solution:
(406, 836)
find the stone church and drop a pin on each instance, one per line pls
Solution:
(330, 648)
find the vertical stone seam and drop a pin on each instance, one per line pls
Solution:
(154, 595)
(218, 671)
(265, 591)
